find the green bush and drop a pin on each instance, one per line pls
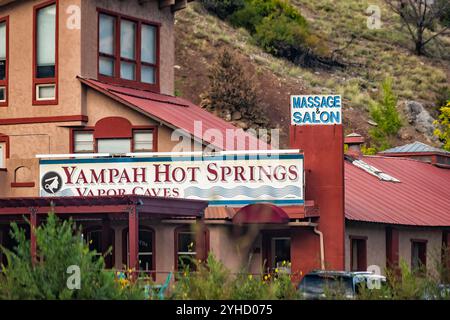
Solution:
(59, 246)
(384, 113)
(223, 8)
(277, 27)
(212, 280)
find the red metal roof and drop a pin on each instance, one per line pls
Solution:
(422, 198)
(178, 114)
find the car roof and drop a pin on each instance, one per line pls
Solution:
(340, 273)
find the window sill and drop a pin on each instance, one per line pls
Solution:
(22, 184)
(3, 170)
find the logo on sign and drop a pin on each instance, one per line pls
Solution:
(316, 110)
(51, 182)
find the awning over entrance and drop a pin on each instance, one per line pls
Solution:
(261, 213)
(157, 207)
(132, 208)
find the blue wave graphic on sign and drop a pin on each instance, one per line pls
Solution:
(242, 190)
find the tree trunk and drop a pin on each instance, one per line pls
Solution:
(419, 43)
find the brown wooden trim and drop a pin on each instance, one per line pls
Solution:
(22, 184)
(15, 121)
(54, 80)
(4, 83)
(5, 139)
(361, 264)
(116, 79)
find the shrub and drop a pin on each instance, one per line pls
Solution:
(223, 8)
(212, 280)
(232, 90)
(443, 131)
(59, 245)
(277, 27)
(384, 113)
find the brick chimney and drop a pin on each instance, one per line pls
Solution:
(354, 142)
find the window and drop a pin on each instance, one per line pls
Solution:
(186, 249)
(146, 246)
(4, 33)
(84, 142)
(2, 155)
(358, 254)
(143, 141)
(128, 51)
(45, 53)
(281, 253)
(418, 255)
(114, 146)
(94, 240)
(107, 35)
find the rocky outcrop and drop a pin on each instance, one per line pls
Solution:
(420, 119)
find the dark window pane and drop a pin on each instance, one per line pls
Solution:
(3, 70)
(95, 241)
(2, 98)
(46, 71)
(145, 262)
(185, 261)
(145, 242)
(186, 242)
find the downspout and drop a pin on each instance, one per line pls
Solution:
(322, 248)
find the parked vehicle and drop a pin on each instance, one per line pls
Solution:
(319, 285)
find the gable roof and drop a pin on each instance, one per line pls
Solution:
(420, 198)
(179, 113)
(415, 147)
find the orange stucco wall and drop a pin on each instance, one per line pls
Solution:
(77, 57)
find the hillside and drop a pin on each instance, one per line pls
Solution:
(370, 57)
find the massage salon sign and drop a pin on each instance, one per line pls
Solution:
(230, 180)
(316, 110)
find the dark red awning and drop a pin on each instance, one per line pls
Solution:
(154, 206)
(261, 213)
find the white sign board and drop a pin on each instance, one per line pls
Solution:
(316, 110)
(221, 180)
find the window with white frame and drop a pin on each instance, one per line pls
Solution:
(45, 53)
(83, 142)
(186, 249)
(143, 141)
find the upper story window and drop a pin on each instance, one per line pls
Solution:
(141, 141)
(4, 34)
(46, 53)
(128, 51)
(2, 155)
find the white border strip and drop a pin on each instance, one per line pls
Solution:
(170, 154)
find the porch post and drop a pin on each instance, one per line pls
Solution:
(33, 226)
(133, 237)
(201, 241)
